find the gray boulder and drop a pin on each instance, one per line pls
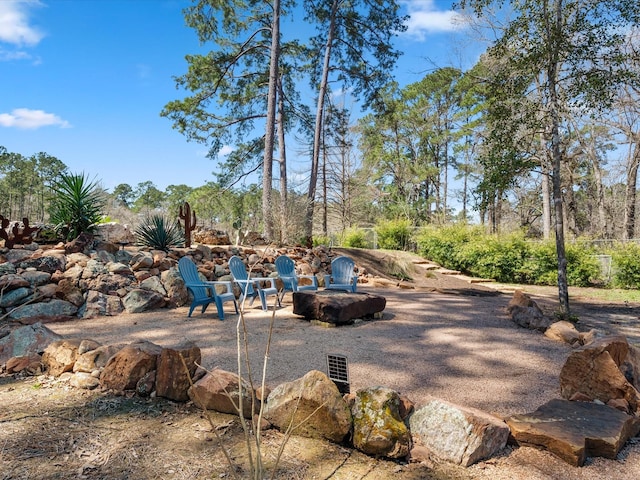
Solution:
(313, 404)
(458, 434)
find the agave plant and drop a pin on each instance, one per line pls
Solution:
(159, 233)
(77, 205)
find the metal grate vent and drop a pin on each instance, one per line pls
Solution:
(338, 372)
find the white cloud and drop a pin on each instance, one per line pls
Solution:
(225, 150)
(14, 22)
(31, 119)
(425, 18)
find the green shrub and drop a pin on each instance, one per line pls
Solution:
(540, 267)
(509, 258)
(159, 233)
(354, 238)
(76, 206)
(583, 267)
(626, 265)
(441, 244)
(321, 240)
(393, 234)
(498, 258)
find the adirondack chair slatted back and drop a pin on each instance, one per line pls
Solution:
(189, 273)
(343, 275)
(252, 287)
(204, 293)
(241, 276)
(286, 269)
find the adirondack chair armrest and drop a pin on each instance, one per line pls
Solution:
(226, 284)
(260, 280)
(313, 278)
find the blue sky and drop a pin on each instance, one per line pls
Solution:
(85, 81)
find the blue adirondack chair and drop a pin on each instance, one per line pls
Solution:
(286, 269)
(252, 287)
(342, 276)
(204, 292)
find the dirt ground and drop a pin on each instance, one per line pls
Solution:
(440, 336)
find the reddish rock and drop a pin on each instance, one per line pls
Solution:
(575, 430)
(172, 380)
(526, 313)
(594, 371)
(60, 356)
(219, 391)
(129, 365)
(31, 364)
(96, 358)
(336, 307)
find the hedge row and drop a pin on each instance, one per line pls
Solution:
(514, 259)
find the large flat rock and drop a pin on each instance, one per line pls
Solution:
(575, 430)
(336, 307)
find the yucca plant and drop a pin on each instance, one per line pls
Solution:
(77, 205)
(159, 233)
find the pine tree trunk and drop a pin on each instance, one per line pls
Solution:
(315, 161)
(284, 232)
(269, 140)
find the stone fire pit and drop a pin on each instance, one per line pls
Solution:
(337, 307)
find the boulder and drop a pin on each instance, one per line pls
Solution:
(378, 428)
(575, 430)
(26, 341)
(172, 380)
(15, 297)
(631, 366)
(11, 281)
(53, 309)
(36, 278)
(115, 233)
(107, 283)
(174, 286)
(141, 260)
(79, 244)
(129, 365)
(45, 263)
(210, 237)
(458, 434)
(594, 371)
(96, 358)
(219, 391)
(564, 332)
(84, 380)
(139, 300)
(98, 304)
(30, 364)
(526, 313)
(154, 284)
(69, 291)
(60, 356)
(336, 307)
(94, 268)
(313, 405)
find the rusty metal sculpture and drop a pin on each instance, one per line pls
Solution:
(14, 235)
(189, 219)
